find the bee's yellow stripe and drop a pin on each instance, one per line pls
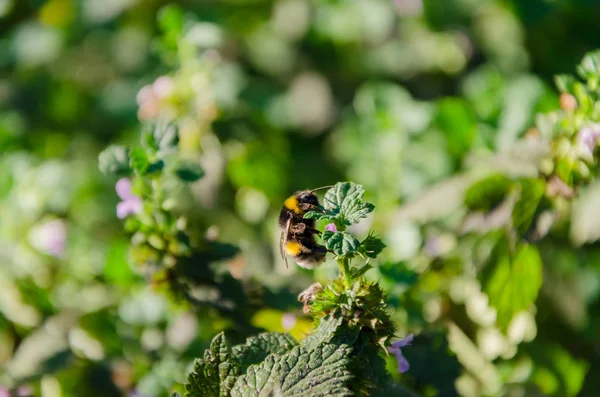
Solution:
(292, 204)
(292, 248)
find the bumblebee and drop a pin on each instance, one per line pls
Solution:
(297, 234)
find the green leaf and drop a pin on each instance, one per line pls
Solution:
(371, 246)
(361, 272)
(532, 192)
(170, 18)
(323, 371)
(557, 372)
(114, 160)
(157, 166)
(323, 214)
(257, 348)
(457, 121)
(341, 243)
(138, 160)
(163, 137)
(514, 285)
(214, 375)
(189, 171)
(345, 200)
(590, 65)
(487, 193)
(564, 82)
(328, 328)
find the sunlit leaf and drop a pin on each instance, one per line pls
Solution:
(514, 283)
(341, 243)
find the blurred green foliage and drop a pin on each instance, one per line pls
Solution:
(418, 101)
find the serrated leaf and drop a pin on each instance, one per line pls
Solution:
(138, 160)
(487, 193)
(189, 171)
(532, 192)
(214, 375)
(328, 328)
(114, 160)
(371, 246)
(325, 214)
(322, 371)
(514, 285)
(257, 348)
(345, 199)
(340, 243)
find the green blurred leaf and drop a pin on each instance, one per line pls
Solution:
(564, 82)
(341, 243)
(189, 171)
(457, 120)
(170, 18)
(166, 136)
(487, 193)
(116, 268)
(114, 160)
(589, 68)
(532, 192)
(557, 372)
(514, 284)
(138, 160)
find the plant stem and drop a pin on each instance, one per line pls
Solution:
(344, 265)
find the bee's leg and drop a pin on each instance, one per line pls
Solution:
(315, 231)
(298, 228)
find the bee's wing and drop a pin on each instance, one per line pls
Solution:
(283, 240)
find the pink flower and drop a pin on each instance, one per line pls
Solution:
(4, 392)
(131, 203)
(396, 349)
(288, 321)
(50, 238)
(331, 227)
(587, 138)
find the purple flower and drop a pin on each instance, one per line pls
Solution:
(331, 227)
(131, 203)
(396, 349)
(24, 391)
(288, 321)
(587, 138)
(50, 238)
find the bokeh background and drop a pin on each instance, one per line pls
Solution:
(276, 96)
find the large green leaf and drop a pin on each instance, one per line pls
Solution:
(257, 348)
(514, 284)
(318, 372)
(214, 375)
